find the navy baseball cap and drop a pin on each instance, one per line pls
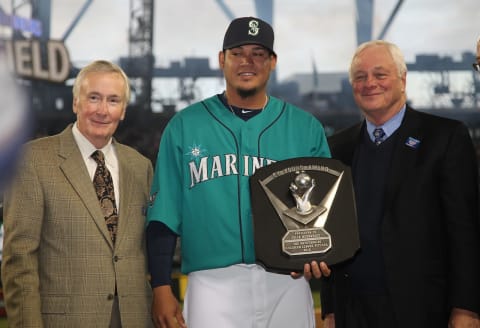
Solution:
(248, 30)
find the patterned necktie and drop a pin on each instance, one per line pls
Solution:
(379, 134)
(103, 183)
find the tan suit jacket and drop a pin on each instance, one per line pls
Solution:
(60, 267)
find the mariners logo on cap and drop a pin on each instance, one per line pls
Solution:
(248, 30)
(253, 27)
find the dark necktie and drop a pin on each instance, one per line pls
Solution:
(102, 180)
(378, 134)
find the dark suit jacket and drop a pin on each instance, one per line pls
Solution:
(59, 265)
(430, 229)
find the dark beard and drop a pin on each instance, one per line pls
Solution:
(246, 93)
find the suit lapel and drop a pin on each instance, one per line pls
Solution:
(343, 145)
(356, 135)
(404, 156)
(126, 181)
(76, 173)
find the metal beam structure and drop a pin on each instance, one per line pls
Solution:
(74, 23)
(390, 20)
(226, 10)
(364, 20)
(39, 10)
(264, 9)
(139, 66)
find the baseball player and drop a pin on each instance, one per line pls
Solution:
(201, 193)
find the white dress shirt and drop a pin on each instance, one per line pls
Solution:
(111, 160)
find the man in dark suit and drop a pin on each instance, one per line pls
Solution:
(416, 184)
(70, 260)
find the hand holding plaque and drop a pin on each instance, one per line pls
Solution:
(303, 210)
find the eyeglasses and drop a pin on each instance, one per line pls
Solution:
(476, 66)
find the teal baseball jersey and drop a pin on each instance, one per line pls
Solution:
(201, 184)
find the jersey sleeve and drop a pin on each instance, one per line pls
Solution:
(165, 195)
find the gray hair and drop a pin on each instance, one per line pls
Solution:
(102, 66)
(393, 49)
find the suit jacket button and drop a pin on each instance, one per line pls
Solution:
(115, 258)
(110, 297)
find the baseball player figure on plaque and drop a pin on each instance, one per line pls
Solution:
(303, 210)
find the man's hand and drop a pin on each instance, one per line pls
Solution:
(166, 312)
(460, 318)
(329, 321)
(315, 269)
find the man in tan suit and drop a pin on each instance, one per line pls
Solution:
(62, 266)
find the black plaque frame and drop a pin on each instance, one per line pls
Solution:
(271, 196)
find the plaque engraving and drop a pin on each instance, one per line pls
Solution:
(298, 208)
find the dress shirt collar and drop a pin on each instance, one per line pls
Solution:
(388, 127)
(86, 147)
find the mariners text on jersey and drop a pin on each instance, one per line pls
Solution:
(211, 167)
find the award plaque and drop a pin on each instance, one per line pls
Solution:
(303, 210)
